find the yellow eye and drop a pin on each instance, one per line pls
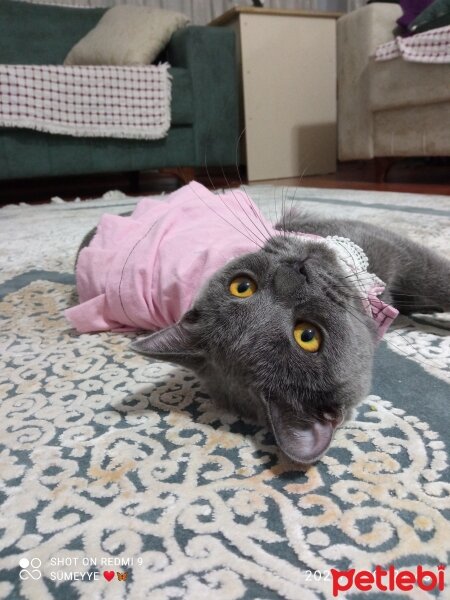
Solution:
(243, 287)
(307, 337)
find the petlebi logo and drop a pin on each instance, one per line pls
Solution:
(389, 579)
(30, 569)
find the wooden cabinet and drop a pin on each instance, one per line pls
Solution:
(287, 66)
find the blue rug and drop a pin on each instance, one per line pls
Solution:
(121, 479)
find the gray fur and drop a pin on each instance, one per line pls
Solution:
(243, 348)
(417, 279)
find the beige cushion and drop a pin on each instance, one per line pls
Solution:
(398, 83)
(127, 35)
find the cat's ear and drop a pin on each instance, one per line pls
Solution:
(173, 344)
(303, 442)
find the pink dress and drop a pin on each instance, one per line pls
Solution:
(143, 272)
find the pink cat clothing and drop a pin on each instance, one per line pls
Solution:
(145, 271)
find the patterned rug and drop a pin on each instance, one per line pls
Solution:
(121, 479)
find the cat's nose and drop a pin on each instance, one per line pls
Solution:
(299, 266)
(290, 277)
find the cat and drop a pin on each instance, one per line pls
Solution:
(281, 335)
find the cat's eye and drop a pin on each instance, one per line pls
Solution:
(243, 286)
(307, 337)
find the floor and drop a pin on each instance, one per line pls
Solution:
(417, 176)
(422, 176)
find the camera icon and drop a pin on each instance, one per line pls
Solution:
(34, 572)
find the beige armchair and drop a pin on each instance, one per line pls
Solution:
(392, 108)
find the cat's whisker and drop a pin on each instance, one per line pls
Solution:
(362, 312)
(264, 239)
(257, 243)
(404, 294)
(257, 215)
(340, 303)
(258, 233)
(390, 333)
(351, 275)
(417, 305)
(415, 351)
(275, 205)
(250, 205)
(217, 192)
(395, 293)
(362, 278)
(286, 226)
(291, 215)
(282, 220)
(286, 215)
(245, 225)
(241, 182)
(401, 303)
(399, 299)
(388, 341)
(283, 208)
(356, 272)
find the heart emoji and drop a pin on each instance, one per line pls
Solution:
(108, 575)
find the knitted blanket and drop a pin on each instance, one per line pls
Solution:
(428, 47)
(87, 101)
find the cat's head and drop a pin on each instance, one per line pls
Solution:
(279, 333)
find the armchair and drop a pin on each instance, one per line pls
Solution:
(387, 109)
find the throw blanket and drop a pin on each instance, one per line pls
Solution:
(428, 47)
(87, 101)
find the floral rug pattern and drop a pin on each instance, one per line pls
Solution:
(121, 479)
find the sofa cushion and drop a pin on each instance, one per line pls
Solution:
(127, 35)
(423, 84)
(434, 16)
(36, 34)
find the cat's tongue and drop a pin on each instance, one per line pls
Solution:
(302, 441)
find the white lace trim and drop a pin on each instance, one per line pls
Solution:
(355, 264)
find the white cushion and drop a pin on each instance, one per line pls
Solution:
(127, 35)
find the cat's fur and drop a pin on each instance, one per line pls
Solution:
(244, 351)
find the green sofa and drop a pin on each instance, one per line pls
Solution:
(204, 99)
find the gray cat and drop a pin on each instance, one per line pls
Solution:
(304, 385)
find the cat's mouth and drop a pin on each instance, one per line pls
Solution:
(302, 438)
